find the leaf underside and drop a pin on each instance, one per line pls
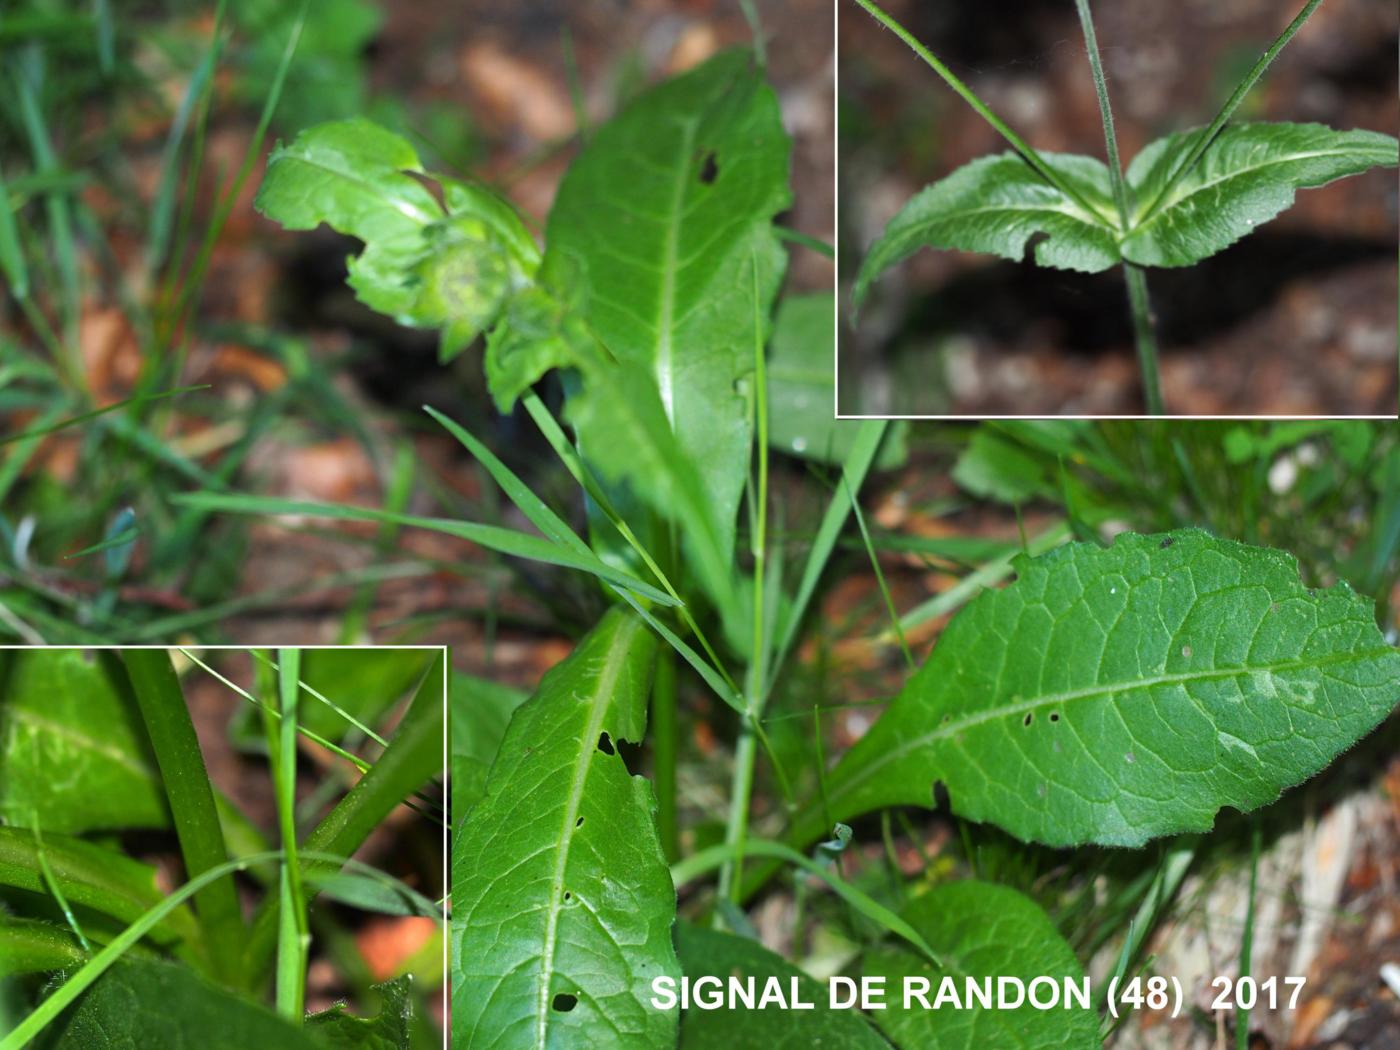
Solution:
(1112, 695)
(562, 901)
(981, 930)
(1248, 175)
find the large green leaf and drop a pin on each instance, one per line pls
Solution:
(73, 752)
(562, 901)
(1246, 177)
(710, 953)
(480, 713)
(455, 270)
(1111, 695)
(981, 932)
(144, 1003)
(802, 387)
(663, 230)
(996, 205)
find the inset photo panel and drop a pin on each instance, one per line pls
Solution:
(1058, 208)
(225, 848)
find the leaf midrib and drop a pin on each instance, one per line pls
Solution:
(614, 661)
(404, 208)
(1069, 696)
(24, 714)
(666, 305)
(1236, 173)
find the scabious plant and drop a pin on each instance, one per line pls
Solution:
(1182, 199)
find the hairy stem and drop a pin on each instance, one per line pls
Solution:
(1034, 159)
(1146, 336)
(1115, 163)
(1143, 330)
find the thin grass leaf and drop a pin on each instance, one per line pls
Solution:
(293, 936)
(853, 473)
(12, 262)
(504, 541)
(191, 796)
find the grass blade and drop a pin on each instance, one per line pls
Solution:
(413, 757)
(504, 541)
(293, 936)
(167, 718)
(11, 254)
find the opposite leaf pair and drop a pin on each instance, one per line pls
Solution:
(1246, 176)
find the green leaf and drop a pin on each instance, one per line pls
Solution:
(994, 467)
(1113, 695)
(423, 266)
(353, 176)
(562, 901)
(657, 231)
(1246, 177)
(481, 710)
(714, 954)
(150, 1003)
(31, 946)
(802, 387)
(996, 205)
(981, 931)
(388, 1031)
(73, 753)
(91, 877)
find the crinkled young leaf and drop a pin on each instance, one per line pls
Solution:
(802, 388)
(145, 1003)
(981, 930)
(997, 205)
(664, 225)
(1111, 695)
(715, 954)
(454, 270)
(562, 901)
(389, 1030)
(73, 752)
(1246, 177)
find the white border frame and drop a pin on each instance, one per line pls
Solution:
(446, 651)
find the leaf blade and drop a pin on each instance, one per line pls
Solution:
(996, 205)
(1247, 176)
(559, 866)
(1220, 681)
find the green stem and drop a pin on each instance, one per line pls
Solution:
(1034, 159)
(1143, 331)
(171, 731)
(1226, 112)
(741, 795)
(293, 935)
(1115, 163)
(1146, 337)
(665, 745)
(414, 755)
